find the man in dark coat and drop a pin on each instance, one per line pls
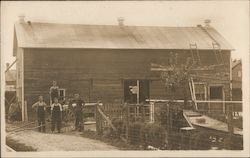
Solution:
(78, 105)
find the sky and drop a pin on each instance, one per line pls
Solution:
(230, 18)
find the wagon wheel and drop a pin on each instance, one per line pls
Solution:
(69, 116)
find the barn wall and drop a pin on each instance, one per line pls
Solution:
(237, 80)
(98, 74)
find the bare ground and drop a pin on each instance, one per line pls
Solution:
(68, 141)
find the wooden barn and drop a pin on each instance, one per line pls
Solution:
(108, 62)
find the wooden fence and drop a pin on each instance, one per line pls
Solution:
(119, 117)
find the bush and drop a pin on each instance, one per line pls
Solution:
(146, 134)
(154, 135)
(134, 133)
(119, 125)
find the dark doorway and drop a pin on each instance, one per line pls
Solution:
(133, 94)
(216, 92)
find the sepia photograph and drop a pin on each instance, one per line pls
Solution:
(124, 78)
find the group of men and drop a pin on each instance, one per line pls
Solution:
(56, 109)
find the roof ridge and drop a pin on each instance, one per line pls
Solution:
(52, 23)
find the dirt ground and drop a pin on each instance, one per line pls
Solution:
(67, 141)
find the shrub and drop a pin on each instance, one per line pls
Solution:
(143, 134)
(119, 125)
(154, 135)
(134, 133)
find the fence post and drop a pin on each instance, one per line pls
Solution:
(25, 111)
(230, 126)
(143, 113)
(152, 112)
(96, 119)
(169, 125)
(127, 120)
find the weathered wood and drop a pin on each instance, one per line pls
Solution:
(106, 118)
(193, 93)
(98, 74)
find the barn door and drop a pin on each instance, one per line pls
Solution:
(216, 93)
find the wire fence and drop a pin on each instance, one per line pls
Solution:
(171, 128)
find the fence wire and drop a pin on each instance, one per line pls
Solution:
(170, 130)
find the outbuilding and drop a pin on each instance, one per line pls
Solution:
(115, 63)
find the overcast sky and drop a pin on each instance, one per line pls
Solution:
(230, 18)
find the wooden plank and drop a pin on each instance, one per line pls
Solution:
(194, 97)
(191, 90)
(211, 123)
(106, 118)
(188, 121)
(25, 111)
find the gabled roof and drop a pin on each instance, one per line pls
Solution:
(50, 35)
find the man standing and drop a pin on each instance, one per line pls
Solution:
(78, 105)
(56, 115)
(14, 111)
(54, 92)
(40, 108)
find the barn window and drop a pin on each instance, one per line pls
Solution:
(62, 93)
(136, 91)
(216, 92)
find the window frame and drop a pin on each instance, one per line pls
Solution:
(222, 91)
(64, 92)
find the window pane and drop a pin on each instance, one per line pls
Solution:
(61, 93)
(216, 92)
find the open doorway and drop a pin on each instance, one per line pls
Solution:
(136, 91)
